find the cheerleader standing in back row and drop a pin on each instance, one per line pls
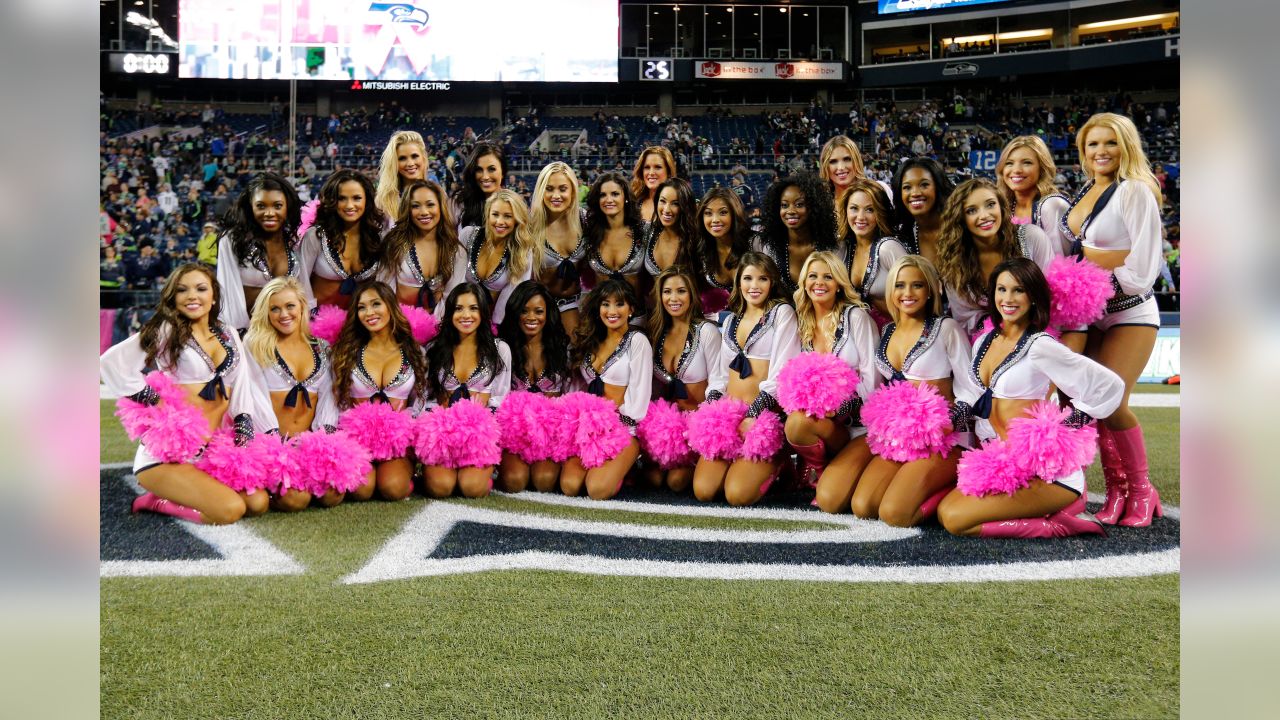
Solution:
(920, 190)
(613, 361)
(655, 166)
(345, 247)
(723, 238)
(500, 255)
(206, 361)
(867, 243)
(674, 230)
(260, 243)
(555, 223)
(423, 246)
(686, 349)
(800, 218)
(481, 178)
(539, 364)
(404, 160)
(615, 237)
(758, 339)
(1115, 219)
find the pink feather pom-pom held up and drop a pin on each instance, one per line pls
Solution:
(330, 462)
(1078, 291)
(989, 470)
(308, 214)
(1047, 449)
(713, 429)
(907, 422)
(598, 433)
(328, 323)
(527, 421)
(378, 428)
(664, 435)
(816, 384)
(763, 439)
(422, 324)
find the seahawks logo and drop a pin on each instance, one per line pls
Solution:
(402, 13)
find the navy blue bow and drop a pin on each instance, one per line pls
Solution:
(898, 376)
(214, 388)
(533, 388)
(1077, 250)
(982, 408)
(742, 365)
(347, 287)
(380, 396)
(567, 271)
(676, 390)
(291, 400)
(596, 387)
(462, 392)
(426, 298)
(615, 275)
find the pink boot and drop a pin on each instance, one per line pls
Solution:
(1070, 520)
(930, 506)
(1143, 501)
(815, 461)
(152, 503)
(1113, 471)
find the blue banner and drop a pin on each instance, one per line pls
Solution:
(889, 7)
(983, 160)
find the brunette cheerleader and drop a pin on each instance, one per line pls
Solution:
(423, 246)
(674, 230)
(615, 238)
(800, 218)
(260, 243)
(481, 178)
(867, 243)
(920, 190)
(723, 238)
(555, 222)
(345, 246)
(500, 255)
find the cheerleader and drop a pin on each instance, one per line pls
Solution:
(555, 222)
(539, 365)
(615, 237)
(404, 160)
(672, 235)
(296, 371)
(500, 255)
(867, 243)
(759, 337)
(613, 362)
(977, 236)
(920, 190)
(202, 379)
(345, 246)
(686, 348)
(1115, 220)
(831, 320)
(465, 364)
(1014, 365)
(481, 178)
(800, 218)
(260, 243)
(723, 238)
(908, 476)
(840, 164)
(423, 245)
(655, 166)
(377, 362)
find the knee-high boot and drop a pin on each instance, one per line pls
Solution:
(1113, 472)
(1143, 501)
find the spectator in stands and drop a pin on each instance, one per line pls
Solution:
(745, 194)
(148, 270)
(111, 271)
(481, 178)
(207, 245)
(800, 218)
(260, 243)
(404, 159)
(655, 166)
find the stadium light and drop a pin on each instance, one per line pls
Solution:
(1139, 20)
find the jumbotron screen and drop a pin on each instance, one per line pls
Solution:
(890, 7)
(451, 40)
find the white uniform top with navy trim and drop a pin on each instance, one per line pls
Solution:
(1033, 244)
(630, 267)
(884, 253)
(235, 274)
(775, 338)
(699, 357)
(499, 281)
(410, 275)
(1047, 214)
(484, 379)
(941, 352)
(315, 390)
(1130, 221)
(629, 367)
(321, 260)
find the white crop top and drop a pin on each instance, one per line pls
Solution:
(856, 339)
(321, 260)
(1129, 221)
(484, 379)
(630, 266)
(409, 274)
(941, 352)
(315, 390)
(234, 275)
(398, 388)
(774, 338)
(1034, 245)
(499, 282)
(884, 253)
(700, 356)
(629, 367)
(1047, 214)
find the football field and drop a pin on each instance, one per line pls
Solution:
(651, 606)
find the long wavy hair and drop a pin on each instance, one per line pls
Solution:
(638, 189)
(591, 330)
(261, 340)
(738, 301)
(167, 331)
(659, 320)
(707, 252)
(942, 188)
(440, 351)
(555, 341)
(958, 254)
(829, 149)
(248, 240)
(933, 308)
(686, 227)
(354, 336)
(1031, 278)
(820, 220)
(521, 246)
(597, 224)
(879, 201)
(539, 215)
(469, 196)
(1044, 159)
(846, 296)
(370, 225)
(400, 238)
(1133, 161)
(391, 186)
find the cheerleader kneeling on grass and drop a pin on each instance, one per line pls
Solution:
(923, 356)
(201, 383)
(1028, 479)
(738, 430)
(469, 372)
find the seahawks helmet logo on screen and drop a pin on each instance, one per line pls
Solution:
(402, 12)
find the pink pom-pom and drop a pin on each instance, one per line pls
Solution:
(598, 434)
(763, 439)
(816, 384)
(173, 431)
(562, 427)
(465, 434)
(330, 462)
(279, 462)
(327, 323)
(432, 437)
(986, 327)
(243, 469)
(379, 428)
(990, 470)
(527, 420)
(1047, 449)
(714, 300)
(663, 435)
(907, 422)
(308, 216)
(713, 428)
(1079, 291)
(422, 324)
